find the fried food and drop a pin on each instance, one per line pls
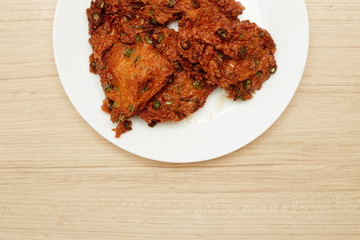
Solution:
(186, 91)
(182, 97)
(149, 70)
(165, 11)
(131, 70)
(247, 60)
(133, 74)
(239, 56)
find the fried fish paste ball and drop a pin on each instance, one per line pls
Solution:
(239, 56)
(132, 75)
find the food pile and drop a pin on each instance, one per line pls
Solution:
(152, 71)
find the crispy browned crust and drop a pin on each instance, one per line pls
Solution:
(186, 91)
(185, 94)
(161, 75)
(239, 56)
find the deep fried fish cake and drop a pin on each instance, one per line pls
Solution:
(132, 75)
(247, 60)
(186, 91)
(239, 56)
(150, 70)
(161, 11)
(102, 38)
(164, 11)
(181, 97)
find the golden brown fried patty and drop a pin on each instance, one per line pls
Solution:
(149, 70)
(239, 56)
(186, 91)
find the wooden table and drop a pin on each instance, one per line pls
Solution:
(59, 179)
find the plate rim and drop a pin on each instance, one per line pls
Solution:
(229, 151)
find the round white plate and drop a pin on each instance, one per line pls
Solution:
(222, 126)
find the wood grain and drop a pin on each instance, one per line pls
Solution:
(59, 179)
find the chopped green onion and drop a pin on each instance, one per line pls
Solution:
(131, 108)
(195, 3)
(138, 38)
(261, 34)
(128, 51)
(111, 103)
(160, 38)
(222, 33)
(197, 85)
(178, 67)
(146, 87)
(256, 61)
(101, 65)
(121, 118)
(272, 70)
(153, 21)
(96, 17)
(242, 52)
(171, 4)
(148, 39)
(247, 83)
(156, 104)
(137, 58)
(141, 27)
(127, 125)
(169, 103)
(258, 74)
(241, 97)
(220, 54)
(151, 11)
(107, 87)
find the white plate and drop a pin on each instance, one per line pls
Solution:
(222, 126)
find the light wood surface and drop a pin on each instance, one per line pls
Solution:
(59, 179)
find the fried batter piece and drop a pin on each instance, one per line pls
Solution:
(162, 11)
(186, 91)
(149, 70)
(182, 97)
(165, 11)
(251, 49)
(133, 75)
(131, 70)
(239, 56)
